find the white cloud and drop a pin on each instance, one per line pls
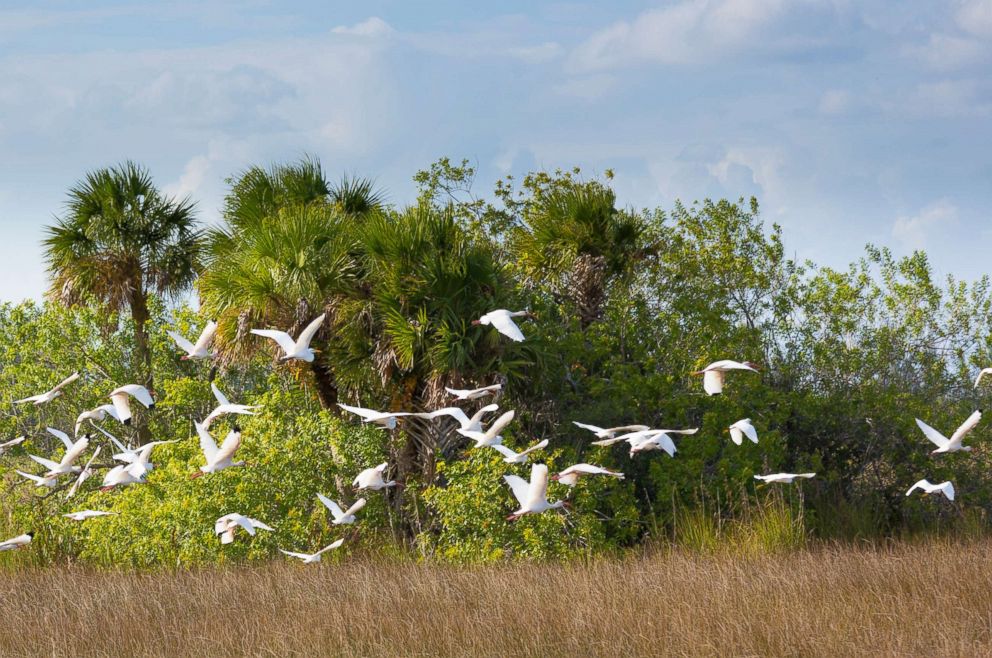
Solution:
(944, 52)
(543, 52)
(835, 101)
(951, 98)
(685, 32)
(975, 17)
(913, 232)
(587, 87)
(372, 27)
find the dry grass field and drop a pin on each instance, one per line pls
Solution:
(930, 599)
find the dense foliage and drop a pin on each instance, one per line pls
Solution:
(627, 303)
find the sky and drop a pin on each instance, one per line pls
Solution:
(852, 122)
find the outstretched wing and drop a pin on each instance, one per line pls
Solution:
(302, 556)
(330, 547)
(221, 398)
(506, 326)
(921, 484)
(356, 507)
(968, 425)
(331, 505)
(307, 334)
(207, 443)
(65, 382)
(935, 437)
(283, 339)
(61, 436)
(47, 463)
(519, 486)
(537, 491)
(181, 341)
(591, 428)
(206, 336)
(506, 452)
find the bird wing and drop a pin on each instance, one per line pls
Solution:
(591, 428)
(935, 437)
(284, 340)
(331, 505)
(259, 525)
(302, 556)
(220, 397)
(537, 491)
(248, 524)
(47, 463)
(182, 342)
(500, 423)
(506, 452)
(83, 474)
(121, 406)
(611, 441)
(713, 382)
(73, 453)
(750, 431)
(665, 443)
(356, 507)
(454, 412)
(33, 398)
(139, 393)
(921, 484)
(948, 490)
(307, 334)
(207, 443)
(206, 336)
(330, 547)
(12, 442)
(805, 475)
(457, 392)
(968, 425)
(33, 478)
(230, 446)
(736, 435)
(65, 382)
(519, 486)
(506, 326)
(982, 373)
(588, 469)
(367, 414)
(61, 436)
(536, 446)
(227, 409)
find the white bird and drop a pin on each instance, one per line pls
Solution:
(201, 350)
(121, 399)
(97, 415)
(982, 373)
(341, 517)
(371, 478)
(610, 432)
(952, 444)
(656, 441)
(491, 436)
(945, 488)
(473, 424)
(227, 524)
(385, 419)
(48, 396)
(19, 541)
(714, 373)
(86, 514)
(511, 457)
(294, 349)
(743, 428)
(502, 320)
(217, 458)
(10, 444)
(83, 474)
(131, 455)
(124, 475)
(532, 496)
(226, 407)
(311, 558)
(67, 464)
(787, 478)
(633, 438)
(39, 481)
(570, 476)
(473, 393)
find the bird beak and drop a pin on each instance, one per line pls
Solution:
(475, 323)
(554, 478)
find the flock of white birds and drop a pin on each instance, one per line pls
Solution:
(135, 462)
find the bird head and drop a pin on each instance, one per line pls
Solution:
(555, 477)
(30, 533)
(752, 364)
(184, 357)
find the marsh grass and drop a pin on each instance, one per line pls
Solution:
(905, 599)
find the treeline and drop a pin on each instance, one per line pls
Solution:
(628, 303)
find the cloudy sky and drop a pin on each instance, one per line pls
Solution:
(851, 121)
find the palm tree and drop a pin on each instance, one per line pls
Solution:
(119, 241)
(576, 238)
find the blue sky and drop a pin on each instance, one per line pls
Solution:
(852, 122)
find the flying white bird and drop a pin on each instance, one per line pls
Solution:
(46, 481)
(502, 320)
(341, 517)
(97, 415)
(952, 444)
(86, 514)
(48, 396)
(311, 558)
(371, 478)
(294, 349)
(945, 488)
(982, 373)
(10, 444)
(226, 407)
(743, 428)
(473, 424)
(19, 541)
(201, 350)
(610, 432)
(385, 419)
(570, 476)
(491, 436)
(532, 496)
(217, 458)
(67, 464)
(473, 393)
(633, 438)
(83, 474)
(714, 373)
(121, 399)
(511, 457)
(123, 475)
(227, 524)
(787, 478)
(656, 441)
(131, 455)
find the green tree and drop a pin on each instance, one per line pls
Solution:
(120, 240)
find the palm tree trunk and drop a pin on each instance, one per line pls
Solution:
(327, 395)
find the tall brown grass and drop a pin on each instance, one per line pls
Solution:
(927, 599)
